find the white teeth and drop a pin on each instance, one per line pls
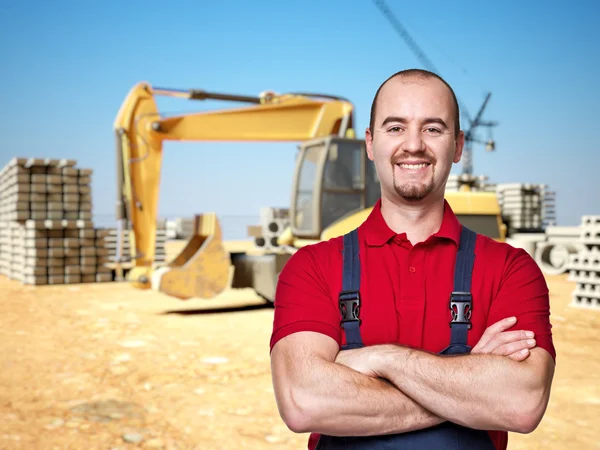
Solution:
(413, 166)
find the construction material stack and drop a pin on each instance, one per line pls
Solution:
(521, 206)
(585, 265)
(548, 199)
(159, 249)
(273, 221)
(180, 228)
(46, 231)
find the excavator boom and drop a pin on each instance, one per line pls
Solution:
(294, 120)
(141, 130)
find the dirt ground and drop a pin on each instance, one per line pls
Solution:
(103, 366)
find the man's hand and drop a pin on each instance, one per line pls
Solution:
(496, 341)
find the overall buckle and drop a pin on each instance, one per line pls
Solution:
(460, 307)
(349, 307)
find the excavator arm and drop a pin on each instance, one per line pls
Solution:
(141, 130)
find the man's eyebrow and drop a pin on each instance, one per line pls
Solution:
(393, 119)
(437, 120)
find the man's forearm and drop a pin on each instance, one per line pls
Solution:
(478, 391)
(338, 401)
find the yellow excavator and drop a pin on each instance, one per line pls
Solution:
(203, 268)
(333, 189)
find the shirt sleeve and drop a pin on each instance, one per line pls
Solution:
(302, 299)
(523, 293)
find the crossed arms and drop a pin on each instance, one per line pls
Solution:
(389, 389)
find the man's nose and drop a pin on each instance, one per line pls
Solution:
(413, 141)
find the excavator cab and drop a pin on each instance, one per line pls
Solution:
(334, 179)
(334, 184)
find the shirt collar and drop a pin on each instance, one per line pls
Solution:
(377, 232)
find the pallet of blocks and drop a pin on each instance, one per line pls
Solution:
(521, 205)
(584, 267)
(273, 222)
(112, 244)
(46, 231)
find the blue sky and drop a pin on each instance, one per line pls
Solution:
(68, 65)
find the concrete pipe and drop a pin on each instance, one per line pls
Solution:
(526, 241)
(553, 258)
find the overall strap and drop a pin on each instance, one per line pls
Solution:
(349, 299)
(461, 300)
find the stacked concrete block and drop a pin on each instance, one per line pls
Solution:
(171, 230)
(45, 189)
(47, 233)
(111, 246)
(39, 252)
(585, 265)
(521, 206)
(548, 207)
(272, 223)
(180, 228)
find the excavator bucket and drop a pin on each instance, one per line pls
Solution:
(202, 269)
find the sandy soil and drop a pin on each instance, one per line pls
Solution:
(103, 366)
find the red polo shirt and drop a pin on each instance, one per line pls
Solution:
(405, 290)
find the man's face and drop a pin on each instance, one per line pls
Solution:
(413, 144)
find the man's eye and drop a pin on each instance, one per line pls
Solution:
(433, 130)
(394, 129)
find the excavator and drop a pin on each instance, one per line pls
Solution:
(333, 190)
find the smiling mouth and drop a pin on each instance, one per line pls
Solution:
(415, 167)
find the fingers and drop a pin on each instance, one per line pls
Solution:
(511, 336)
(493, 330)
(504, 338)
(520, 355)
(511, 348)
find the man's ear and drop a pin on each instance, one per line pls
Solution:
(460, 143)
(369, 143)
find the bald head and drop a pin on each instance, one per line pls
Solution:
(417, 74)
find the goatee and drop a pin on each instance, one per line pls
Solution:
(412, 192)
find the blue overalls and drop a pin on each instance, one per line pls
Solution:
(446, 435)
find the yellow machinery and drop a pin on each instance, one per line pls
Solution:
(203, 268)
(334, 186)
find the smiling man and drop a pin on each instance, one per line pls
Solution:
(420, 111)
(412, 331)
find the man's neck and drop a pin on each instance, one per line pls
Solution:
(418, 221)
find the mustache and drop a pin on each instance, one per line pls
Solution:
(400, 158)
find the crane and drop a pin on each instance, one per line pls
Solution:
(470, 136)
